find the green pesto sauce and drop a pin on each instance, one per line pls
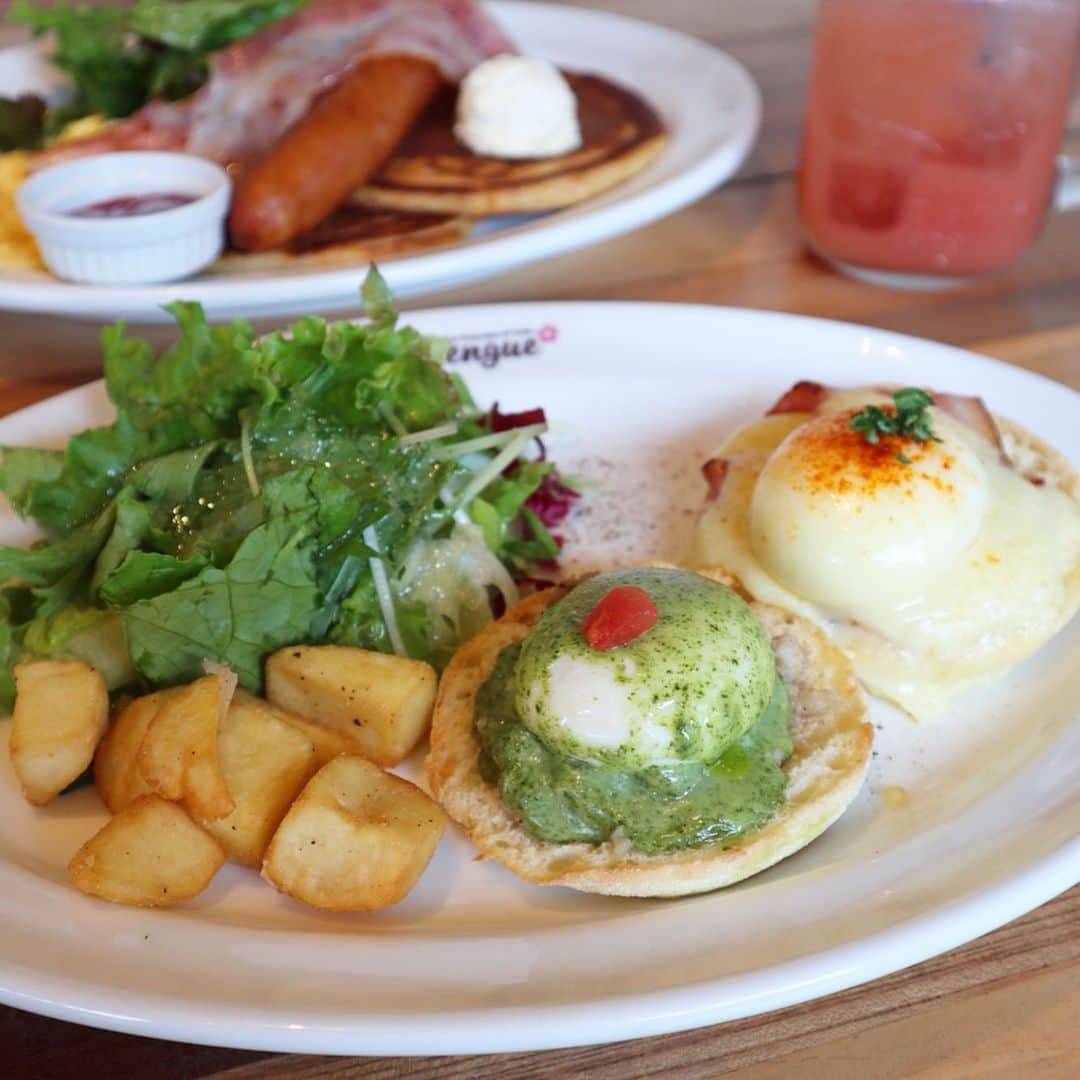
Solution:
(659, 808)
(704, 672)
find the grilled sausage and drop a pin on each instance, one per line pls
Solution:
(349, 132)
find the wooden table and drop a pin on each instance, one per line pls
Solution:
(1007, 1002)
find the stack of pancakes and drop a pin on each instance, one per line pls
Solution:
(429, 192)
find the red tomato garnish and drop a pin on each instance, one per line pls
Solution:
(621, 614)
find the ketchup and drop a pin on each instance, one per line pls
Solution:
(133, 205)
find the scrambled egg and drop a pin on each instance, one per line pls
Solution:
(17, 248)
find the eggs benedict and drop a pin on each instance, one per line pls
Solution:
(937, 555)
(647, 732)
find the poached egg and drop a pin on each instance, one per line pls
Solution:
(935, 564)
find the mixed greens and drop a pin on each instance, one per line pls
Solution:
(119, 57)
(331, 482)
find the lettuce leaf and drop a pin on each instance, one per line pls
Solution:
(22, 122)
(144, 574)
(265, 598)
(205, 25)
(8, 651)
(111, 70)
(89, 634)
(45, 564)
(121, 56)
(23, 470)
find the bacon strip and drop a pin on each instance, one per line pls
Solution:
(261, 86)
(804, 396)
(715, 471)
(972, 412)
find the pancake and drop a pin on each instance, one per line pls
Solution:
(431, 171)
(352, 236)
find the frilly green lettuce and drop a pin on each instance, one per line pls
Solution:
(254, 492)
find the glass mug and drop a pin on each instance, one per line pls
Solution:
(932, 129)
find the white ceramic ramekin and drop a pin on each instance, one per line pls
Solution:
(134, 250)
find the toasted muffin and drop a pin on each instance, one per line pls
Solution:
(830, 734)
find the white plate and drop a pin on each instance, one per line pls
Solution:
(475, 960)
(708, 101)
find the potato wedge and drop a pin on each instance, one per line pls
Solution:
(61, 712)
(151, 854)
(178, 757)
(383, 703)
(116, 773)
(265, 762)
(357, 838)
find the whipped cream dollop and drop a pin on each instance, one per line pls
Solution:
(517, 107)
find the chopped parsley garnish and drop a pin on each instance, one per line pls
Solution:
(908, 418)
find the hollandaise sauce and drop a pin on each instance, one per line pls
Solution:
(653, 740)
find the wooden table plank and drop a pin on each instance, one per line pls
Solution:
(706, 20)
(741, 246)
(1023, 1027)
(35, 1048)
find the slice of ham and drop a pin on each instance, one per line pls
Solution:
(259, 87)
(972, 412)
(809, 397)
(715, 471)
(802, 397)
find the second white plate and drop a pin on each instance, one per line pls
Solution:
(710, 104)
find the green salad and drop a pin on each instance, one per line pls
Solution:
(331, 482)
(120, 56)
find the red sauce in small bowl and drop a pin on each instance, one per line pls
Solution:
(133, 205)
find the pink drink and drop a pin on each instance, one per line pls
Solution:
(932, 130)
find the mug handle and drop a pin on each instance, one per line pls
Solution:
(1067, 192)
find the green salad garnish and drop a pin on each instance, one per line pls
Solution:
(331, 482)
(121, 56)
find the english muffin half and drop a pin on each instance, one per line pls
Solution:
(831, 744)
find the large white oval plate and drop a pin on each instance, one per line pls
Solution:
(474, 960)
(710, 104)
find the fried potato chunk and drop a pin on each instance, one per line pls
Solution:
(327, 742)
(357, 838)
(381, 703)
(61, 712)
(151, 854)
(116, 773)
(265, 762)
(178, 757)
